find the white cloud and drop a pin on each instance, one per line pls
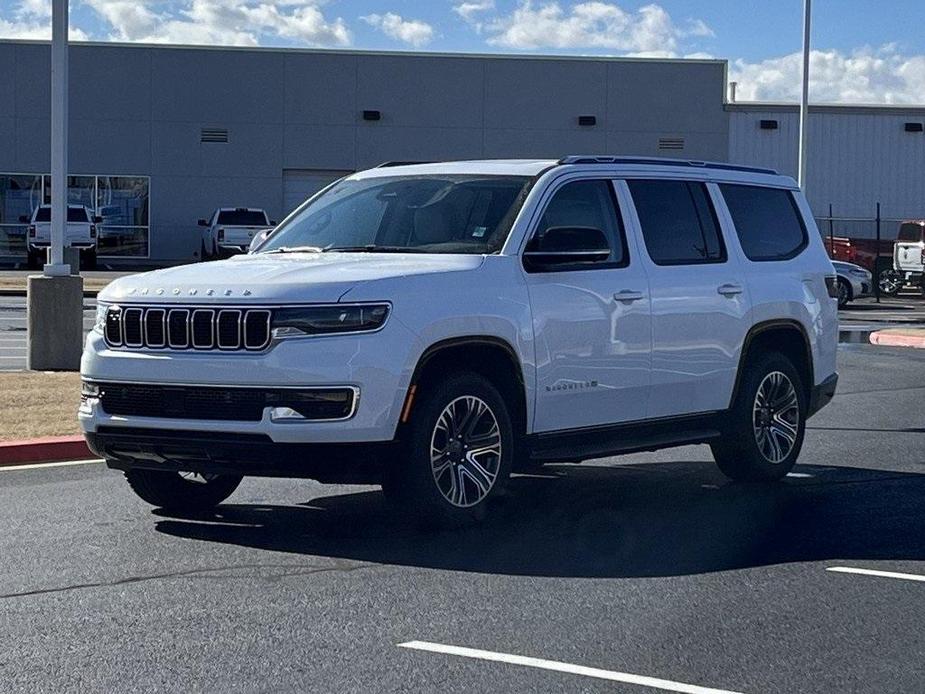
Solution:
(247, 23)
(882, 76)
(31, 19)
(469, 11)
(650, 30)
(411, 31)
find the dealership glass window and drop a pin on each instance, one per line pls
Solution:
(19, 195)
(121, 201)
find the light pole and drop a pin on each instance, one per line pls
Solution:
(804, 99)
(54, 303)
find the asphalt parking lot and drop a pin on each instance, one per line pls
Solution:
(643, 573)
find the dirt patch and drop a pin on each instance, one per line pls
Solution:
(34, 404)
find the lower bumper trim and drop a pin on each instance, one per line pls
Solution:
(256, 455)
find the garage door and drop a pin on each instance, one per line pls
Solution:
(301, 184)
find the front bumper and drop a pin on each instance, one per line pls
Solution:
(254, 455)
(822, 394)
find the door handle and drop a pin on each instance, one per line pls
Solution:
(730, 289)
(628, 296)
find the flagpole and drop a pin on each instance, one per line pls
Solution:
(804, 99)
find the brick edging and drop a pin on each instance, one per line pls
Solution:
(44, 450)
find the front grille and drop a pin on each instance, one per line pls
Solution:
(161, 327)
(224, 404)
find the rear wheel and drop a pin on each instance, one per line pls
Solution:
(458, 452)
(890, 282)
(90, 259)
(33, 260)
(844, 293)
(767, 423)
(182, 491)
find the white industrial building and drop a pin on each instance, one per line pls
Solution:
(160, 136)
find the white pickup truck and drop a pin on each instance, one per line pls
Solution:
(80, 232)
(909, 252)
(230, 230)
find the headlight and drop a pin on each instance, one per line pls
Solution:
(99, 324)
(89, 394)
(329, 320)
(859, 272)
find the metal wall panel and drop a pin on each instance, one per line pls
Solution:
(857, 156)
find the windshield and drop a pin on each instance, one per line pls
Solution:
(74, 214)
(243, 218)
(425, 214)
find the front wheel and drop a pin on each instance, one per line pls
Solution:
(766, 425)
(458, 452)
(185, 492)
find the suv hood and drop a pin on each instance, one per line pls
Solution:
(279, 278)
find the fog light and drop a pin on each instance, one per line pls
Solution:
(285, 414)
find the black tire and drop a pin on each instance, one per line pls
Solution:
(90, 260)
(202, 252)
(412, 483)
(171, 491)
(32, 260)
(844, 293)
(742, 454)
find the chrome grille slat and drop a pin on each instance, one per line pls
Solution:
(188, 328)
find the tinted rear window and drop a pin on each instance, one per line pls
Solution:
(74, 214)
(767, 221)
(242, 218)
(678, 223)
(910, 232)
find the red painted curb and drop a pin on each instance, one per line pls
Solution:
(45, 450)
(885, 338)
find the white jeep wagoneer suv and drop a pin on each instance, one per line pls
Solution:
(434, 327)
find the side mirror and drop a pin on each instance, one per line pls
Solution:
(273, 222)
(560, 246)
(203, 222)
(24, 219)
(258, 239)
(97, 220)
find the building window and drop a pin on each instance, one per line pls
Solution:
(121, 201)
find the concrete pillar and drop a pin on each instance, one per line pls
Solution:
(55, 322)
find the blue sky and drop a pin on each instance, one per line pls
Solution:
(864, 52)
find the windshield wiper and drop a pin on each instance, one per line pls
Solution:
(296, 249)
(371, 248)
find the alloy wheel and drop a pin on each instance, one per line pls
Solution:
(776, 417)
(465, 451)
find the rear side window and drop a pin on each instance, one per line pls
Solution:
(767, 221)
(587, 204)
(911, 233)
(678, 222)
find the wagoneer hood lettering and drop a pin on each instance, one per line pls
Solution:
(301, 277)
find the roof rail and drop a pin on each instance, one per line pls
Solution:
(660, 161)
(388, 164)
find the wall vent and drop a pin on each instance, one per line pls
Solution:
(915, 127)
(769, 125)
(213, 135)
(372, 115)
(587, 120)
(666, 144)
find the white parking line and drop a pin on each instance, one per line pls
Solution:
(879, 574)
(36, 466)
(557, 666)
